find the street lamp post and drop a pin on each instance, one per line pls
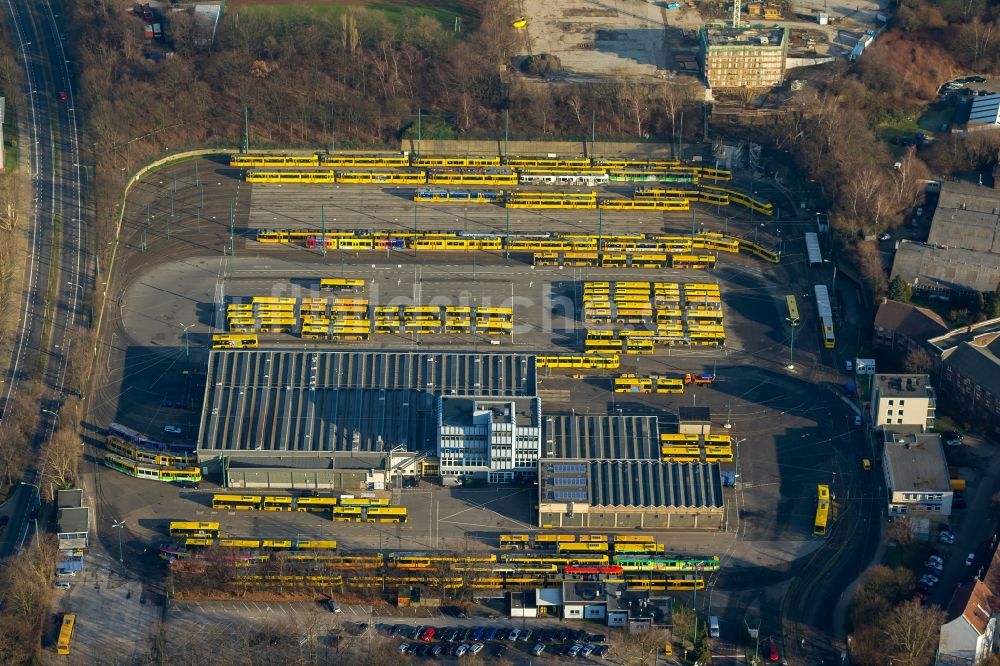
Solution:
(38, 500)
(120, 525)
(187, 348)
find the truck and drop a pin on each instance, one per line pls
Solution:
(450, 481)
(695, 378)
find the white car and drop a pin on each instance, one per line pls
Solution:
(476, 648)
(62, 585)
(175, 430)
(63, 573)
(849, 365)
(886, 236)
(970, 559)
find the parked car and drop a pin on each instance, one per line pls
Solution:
(333, 606)
(437, 650)
(849, 366)
(514, 633)
(574, 650)
(404, 648)
(477, 633)
(428, 634)
(172, 429)
(969, 559)
(461, 650)
(490, 634)
(538, 649)
(476, 648)
(885, 236)
(772, 653)
(946, 538)
(866, 464)
(602, 650)
(63, 573)
(587, 650)
(857, 421)
(526, 635)
(62, 585)
(501, 650)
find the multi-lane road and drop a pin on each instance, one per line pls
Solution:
(57, 266)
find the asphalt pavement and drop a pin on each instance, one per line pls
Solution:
(56, 268)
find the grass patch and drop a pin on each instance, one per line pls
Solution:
(912, 556)
(400, 13)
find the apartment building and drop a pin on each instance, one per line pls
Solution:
(903, 402)
(743, 57)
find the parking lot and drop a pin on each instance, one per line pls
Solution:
(404, 626)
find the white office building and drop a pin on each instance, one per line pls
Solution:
(903, 402)
(496, 439)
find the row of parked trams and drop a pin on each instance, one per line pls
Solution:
(546, 248)
(523, 559)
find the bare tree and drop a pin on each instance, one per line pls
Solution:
(61, 456)
(918, 361)
(638, 648)
(912, 631)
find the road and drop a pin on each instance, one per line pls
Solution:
(55, 269)
(815, 606)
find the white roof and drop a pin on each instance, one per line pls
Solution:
(812, 248)
(985, 110)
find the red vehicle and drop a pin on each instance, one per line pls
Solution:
(591, 569)
(428, 634)
(693, 378)
(772, 653)
(62, 96)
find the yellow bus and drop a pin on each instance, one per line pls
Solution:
(333, 284)
(234, 341)
(244, 502)
(315, 504)
(627, 538)
(822, 510)
(681, 453)
(277, 503)
(186, 528)
(66, 630)
(514, 541)
(550, 540)
(633, 384)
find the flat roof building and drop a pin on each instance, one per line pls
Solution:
(968, 217)
(942, 271)
(263, 403)
(615, 494)
(916, 474)
(984, 114)
(901, 402)
(740, 57)
(499, 438)
(593, 437)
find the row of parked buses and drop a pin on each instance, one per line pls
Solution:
(398, 160)
(577, 361)
(289, 503)
(688, 448)
(535, 243)
(629, 383)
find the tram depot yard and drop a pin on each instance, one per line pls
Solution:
(380, 383)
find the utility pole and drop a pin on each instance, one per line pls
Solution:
(246, 129)
(419, 129)
(232, 221)
(322, 217)
(506, 133)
